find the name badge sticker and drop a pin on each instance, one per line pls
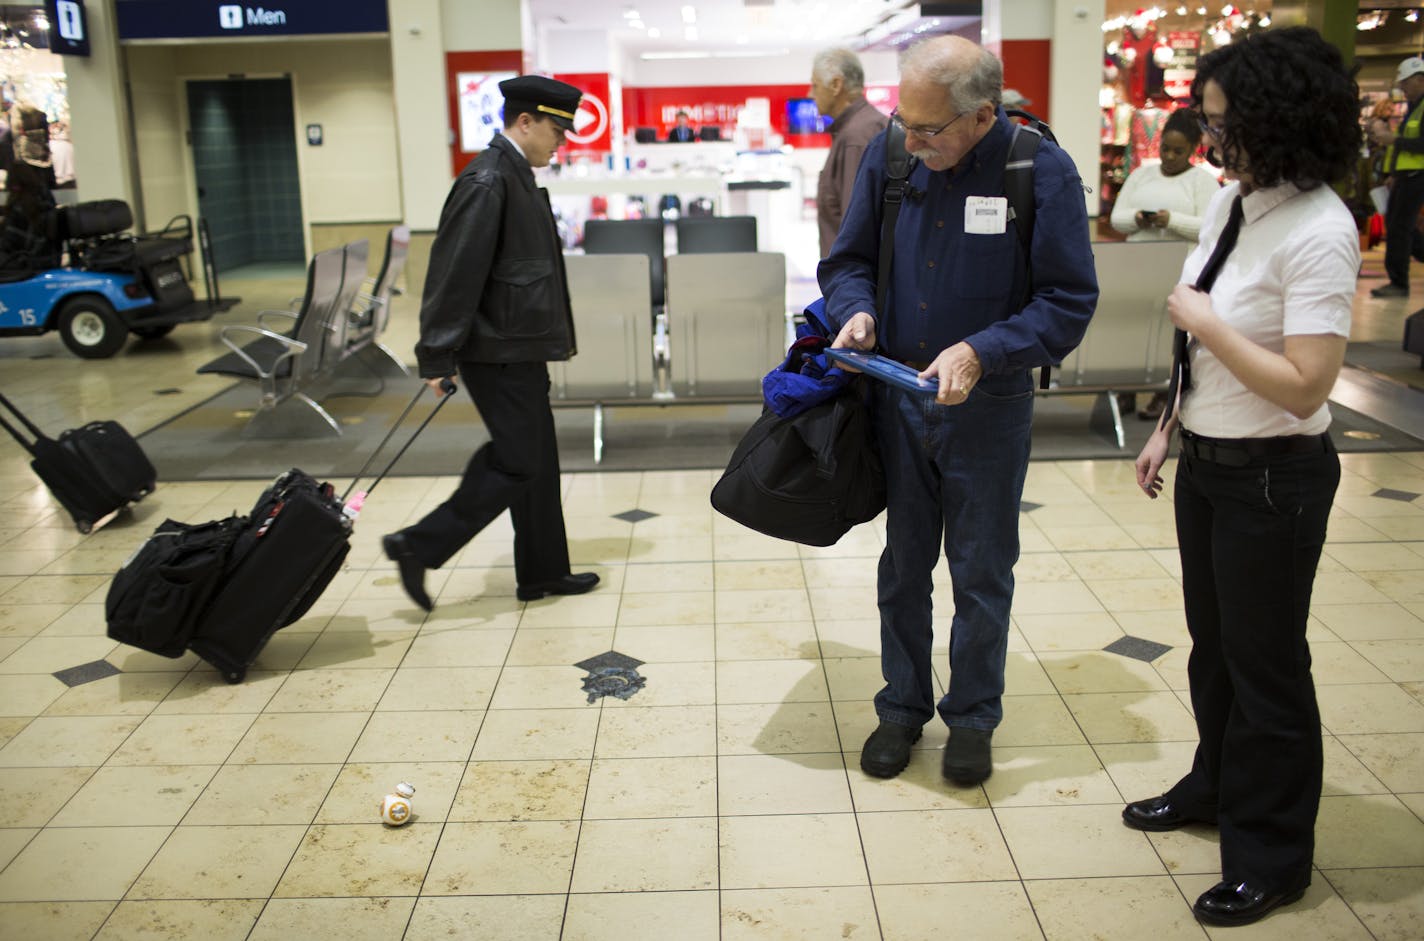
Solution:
(986, 215)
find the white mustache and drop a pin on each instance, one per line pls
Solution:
(924, 153)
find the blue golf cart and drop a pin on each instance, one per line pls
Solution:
(111, 284)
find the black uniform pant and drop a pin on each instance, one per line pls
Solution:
(1401, 226)
(1250, 538)
(517, 470)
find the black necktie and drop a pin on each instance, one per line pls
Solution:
(1181, 366)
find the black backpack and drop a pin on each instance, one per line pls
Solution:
(1018, 189)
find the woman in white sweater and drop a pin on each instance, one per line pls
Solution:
(1166, 200)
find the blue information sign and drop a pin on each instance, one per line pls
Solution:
(193, 19)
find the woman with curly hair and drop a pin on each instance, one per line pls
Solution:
(1257, 471)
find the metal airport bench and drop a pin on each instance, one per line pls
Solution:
(326, 345)
(724, 326)
(1128, 346)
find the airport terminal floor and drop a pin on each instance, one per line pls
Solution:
(142, 797)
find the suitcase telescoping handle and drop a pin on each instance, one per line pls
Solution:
(448, 388)
(24, 442)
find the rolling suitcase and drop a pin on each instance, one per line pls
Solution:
(1414, 335)
(93, 471)
(222, 589)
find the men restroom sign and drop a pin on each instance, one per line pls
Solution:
(141, 20)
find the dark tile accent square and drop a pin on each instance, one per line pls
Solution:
(87, 673)
(634, 516)
(610, 660)
(1404, 496)
(1137, 648)
(1027, 507)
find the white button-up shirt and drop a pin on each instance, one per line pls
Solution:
(1292, 273)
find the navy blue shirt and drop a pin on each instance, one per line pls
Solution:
(948, 285)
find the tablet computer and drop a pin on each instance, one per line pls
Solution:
(885, 369)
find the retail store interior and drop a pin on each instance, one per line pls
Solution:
(143, 796)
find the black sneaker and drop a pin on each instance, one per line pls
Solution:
(1390, 290)
(887, 751)
(968, 758)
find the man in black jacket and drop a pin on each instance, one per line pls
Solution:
(496, 309)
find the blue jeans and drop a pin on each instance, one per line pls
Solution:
(953, 474)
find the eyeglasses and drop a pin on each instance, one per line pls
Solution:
(1211, 130)
(924, 132)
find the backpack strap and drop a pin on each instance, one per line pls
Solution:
(898, 167)
(1018, 187)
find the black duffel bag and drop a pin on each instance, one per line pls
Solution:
(162, 591)
(808, 478)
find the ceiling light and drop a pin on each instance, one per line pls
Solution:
(654, 33)
(675, 55)
(689, 15)
(749, 53)
(690, 34)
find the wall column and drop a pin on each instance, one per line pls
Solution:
(99, 114)
(1076, 75)
(422, 32)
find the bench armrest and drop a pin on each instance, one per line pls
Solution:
(293, 347)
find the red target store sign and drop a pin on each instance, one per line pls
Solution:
(593, 122)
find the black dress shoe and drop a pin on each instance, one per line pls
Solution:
(1236, 903)
(1390, 290)
(968, 757)
(887, 751)
(412, 572)
(568, 585)
(1157, 814)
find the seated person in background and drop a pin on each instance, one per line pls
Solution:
(682, 132)
(1165, 201)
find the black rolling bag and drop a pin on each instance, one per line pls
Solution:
(1414, 335)
(222, 589)
(93, 471)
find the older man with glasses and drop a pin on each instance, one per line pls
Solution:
(969, 309)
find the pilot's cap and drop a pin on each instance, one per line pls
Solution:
(539, 94)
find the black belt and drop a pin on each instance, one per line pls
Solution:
(1238, 452)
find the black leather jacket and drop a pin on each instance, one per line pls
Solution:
(496, 291)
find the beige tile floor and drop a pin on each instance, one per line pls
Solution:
(722, 801)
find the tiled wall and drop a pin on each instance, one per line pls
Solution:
(245, 157)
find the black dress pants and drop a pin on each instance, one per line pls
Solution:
(1250, 538)
(518, 470)
(1401, 236)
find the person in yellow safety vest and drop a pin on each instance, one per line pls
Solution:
(1404, 162)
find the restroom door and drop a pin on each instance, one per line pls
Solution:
(244, 142)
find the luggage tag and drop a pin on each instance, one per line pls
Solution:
(986, 215)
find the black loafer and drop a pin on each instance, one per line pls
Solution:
(568, 585)
(412, 572)
(1157, 815)
(887, 751)
(968, 756)
(1236, 903)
